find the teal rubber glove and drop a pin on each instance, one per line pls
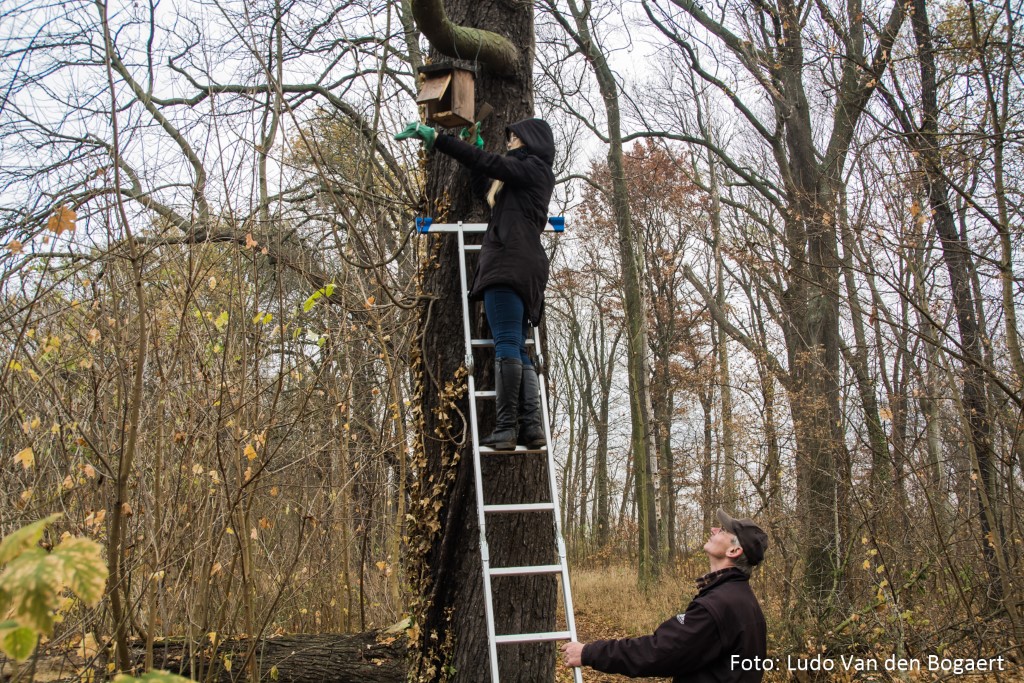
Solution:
(472, 136)
(418, 130)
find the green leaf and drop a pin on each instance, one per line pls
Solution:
(311, 301)
(30, 586)
(18, 643)
(152, 677)
(85, 572)
(327, 290)
(24, 538)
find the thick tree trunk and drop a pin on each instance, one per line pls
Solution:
(445, 569)
(811, 304)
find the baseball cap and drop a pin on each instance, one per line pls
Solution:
(752, 539)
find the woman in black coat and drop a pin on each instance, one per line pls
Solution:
(512, 271)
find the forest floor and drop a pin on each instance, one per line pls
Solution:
(608, 604)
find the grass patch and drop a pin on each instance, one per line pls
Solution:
(609, 604)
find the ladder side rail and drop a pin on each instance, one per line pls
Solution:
(563, 559)
(485, 560)
(492, 637)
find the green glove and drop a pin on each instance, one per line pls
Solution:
(418, 130)
(472, 136)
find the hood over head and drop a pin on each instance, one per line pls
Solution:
(536, 136)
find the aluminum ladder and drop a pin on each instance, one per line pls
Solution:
(556, 224)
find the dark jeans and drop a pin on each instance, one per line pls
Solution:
(506, 315)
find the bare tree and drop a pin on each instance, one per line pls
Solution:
(767, 41)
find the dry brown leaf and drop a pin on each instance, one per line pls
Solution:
(62, 220)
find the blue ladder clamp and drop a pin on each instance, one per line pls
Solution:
(423, 223)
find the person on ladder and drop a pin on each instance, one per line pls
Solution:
(512, 271)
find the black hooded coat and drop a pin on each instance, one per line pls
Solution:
(512, 254)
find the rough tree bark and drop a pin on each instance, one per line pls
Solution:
(449, 632)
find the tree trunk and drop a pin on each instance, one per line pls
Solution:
(599, 413)
(708, 495)
(857, 358)
(663, 408)
(445, 567)
(811, 305)
(642, 448)
(959, 266)
(729, 497)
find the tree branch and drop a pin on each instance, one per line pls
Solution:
(461, 42)
(723, 321)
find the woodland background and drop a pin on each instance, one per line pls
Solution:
(211, 284)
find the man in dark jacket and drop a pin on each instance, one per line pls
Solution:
(722, 635)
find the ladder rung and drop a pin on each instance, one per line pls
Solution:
(485, 394)
(518, 449)
(472, 247)
(482, 343)
(532, 637)
(520, 507)
(526, 571)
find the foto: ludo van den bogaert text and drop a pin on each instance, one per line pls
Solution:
(820, 662)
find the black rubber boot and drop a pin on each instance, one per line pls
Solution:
(508, 376)
(531, 424)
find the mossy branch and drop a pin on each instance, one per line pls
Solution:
(462, 42)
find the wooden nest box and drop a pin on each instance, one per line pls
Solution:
(447, 93)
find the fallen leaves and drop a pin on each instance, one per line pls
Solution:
(26, 458)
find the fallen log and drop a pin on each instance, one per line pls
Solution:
(370, 657)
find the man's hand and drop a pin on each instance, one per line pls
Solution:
(419, 131)
(573, 653)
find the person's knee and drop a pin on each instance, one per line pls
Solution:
(506, 342)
